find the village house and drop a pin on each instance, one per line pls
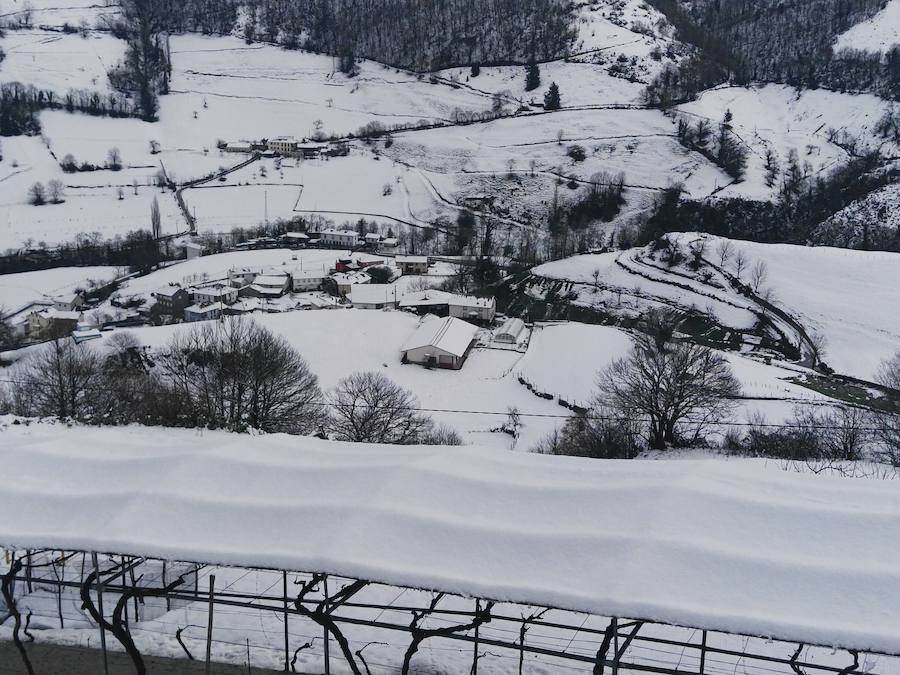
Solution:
(206, 312)
(339, 238)
(307, 280)
(427, 302)
(372, 239)
(340, 283)
(388, 244)
(68, 302)
(471, 308)
(241, 277)
(171, 300)
(283, 145)
(218, 293)
(412, 264)
(51, 322)
(440, 343)
(294, 239)
(268, 286)
(374, 296)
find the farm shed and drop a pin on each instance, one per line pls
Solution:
(440, 343)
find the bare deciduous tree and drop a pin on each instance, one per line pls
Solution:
(155, 220)
(58, 379)
(740, 264)
(238, 375)
(37, 194)
(758, 275)
(678, 388)
(56, 192)
(370, 408)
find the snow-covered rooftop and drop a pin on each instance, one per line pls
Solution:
(370, 294)
(737, 546)
(449, 334)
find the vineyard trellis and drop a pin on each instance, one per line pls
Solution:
(115, 588)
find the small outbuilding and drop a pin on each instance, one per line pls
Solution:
(440, 343)
(511, 332)
(412, 264)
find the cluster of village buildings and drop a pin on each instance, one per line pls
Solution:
(348, 283)
(288, 146)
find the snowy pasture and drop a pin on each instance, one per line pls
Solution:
(58, 13)
(92, 202)
(59, 62)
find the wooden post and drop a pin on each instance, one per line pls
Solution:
(28, 570)
(475, 653)
(287, 657)
(702, 652)
(615, 668)
(325, 629)
(209, 622)
(100, 611)
(168, 601)
(124, 588)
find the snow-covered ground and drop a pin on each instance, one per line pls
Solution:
(58, 13)
(17, 290)
(338, 343)
(879, 34)
(59, 62)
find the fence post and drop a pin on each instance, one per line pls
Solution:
(615, 667)
(702, 652)
(209, 622)
(100, 611)
(325, 629)
(475, 654)
(168, 600)
(287, 662)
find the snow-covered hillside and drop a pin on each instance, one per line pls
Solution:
(813, 123)
(878, 34)
(844, 296)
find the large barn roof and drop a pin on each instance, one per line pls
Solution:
(450, 335)
(738, 546)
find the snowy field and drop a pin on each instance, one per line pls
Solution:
(382, 190)
(645, 539)
(57, 13)
(17, 290)
(879, 34)
(339, 343)
(59, 62)
(91, 204)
